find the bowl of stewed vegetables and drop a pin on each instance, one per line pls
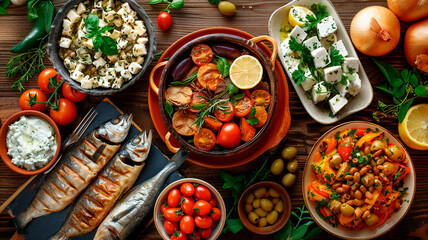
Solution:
(359, 181)
(217, 94)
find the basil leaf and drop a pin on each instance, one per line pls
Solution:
(391, 74)
(402, 110)
(238, 96)
(177, 4)
(231, 87)
(214, 1)
(399, 91)
(4, 3)
(233, 101)
(300, 232)
(154, 1)
(226, 176)
(233, 226)
(198, 106)
(313, 233)
(48, 9)
(405, 75)
(3, 11)
(228, 185)
(169, 109)
(223, 66)
(97, 41)
(252, 111)
(91, 23)
(414, 80)
(285, 232)
(253, 121)
(108, 45)
(105, 29)
(420, 91)
(384, 88)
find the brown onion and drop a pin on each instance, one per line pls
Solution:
(409, 10)
(416, 45)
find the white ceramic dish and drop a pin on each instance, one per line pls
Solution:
(365, 233)
(357, 103)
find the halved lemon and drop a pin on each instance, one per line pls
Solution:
(297, 15)
(246, 72)
(414, 128)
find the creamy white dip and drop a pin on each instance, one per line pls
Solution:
(31, 142)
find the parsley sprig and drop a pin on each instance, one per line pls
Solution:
(335, 56)
(94, 32)
(320, 11)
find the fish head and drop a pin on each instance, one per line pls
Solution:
(116, 129)
(138, 148)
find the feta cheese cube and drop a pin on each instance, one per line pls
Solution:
(80, 67)
(113, 58)
(328, 41)
(140, 28)
(126, 74)
(103, 82)
(100, 62)
(341, 47)
(298, 34)
(86, 82)
(126, 7)
(81, 9)
(119, 66)
(312, 43)
(130, 19)
(355, 85)
(98, 54)
(126, 29)
(110, 74)
(121, 43)
(134, 68)
(73, 16)
(343, 88)
(95, 82)
(326, 26)
(89, 44)
(81, 35)
(337, 103)
(118, 22)
(142, 40)
(139, 50)
(117, 83)
(98, 4)
(285, 47)
(321, 57)
(308, 82)
(350, 64)
(102, 23)
(64, 42)
(69, 63)
(132, 35)
(140, 60)
(66, 27)
(76, 75)
(115, 35)
(319, 93)
(333, 74)
(109, 16)
(123, 14)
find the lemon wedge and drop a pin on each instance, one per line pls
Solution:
(414, 128)
(297, 15)
(246, 72)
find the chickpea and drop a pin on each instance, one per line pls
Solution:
(275, 200)
(389, 169)
(272, 217)
(289, 153)
(248, 208)
(353, 170)
(368, 179)
(377, 145)
(372, 219)
(263, 222)
(358, 194)
(358, 202)
(279, 207)
(335, 161)
(292, 165)
(395, 153)
(336, 185)
(266, 204)
(253, 217)
(273, 193)
(260, 212)
(256, 203)
(288, 180)
(277, 167)
(346, 210)
(260, 192)
(249, 198)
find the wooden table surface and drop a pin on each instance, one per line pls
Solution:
(252, 16)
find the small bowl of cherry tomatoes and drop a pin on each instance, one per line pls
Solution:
(189, 209)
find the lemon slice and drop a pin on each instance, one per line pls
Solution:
(246, 72)
(414, 128)
(297, 15)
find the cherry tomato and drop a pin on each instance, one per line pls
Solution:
(187, 189)
(345, 148)
(164, 20)
(229, 135)
(212, 123)
(262, 115)
(37, 96)
(198, 98)
(225, 112)
(187, 224)
(65, 114)
(243, 106)
(44, 81)
(205, 232)
(261, 98)
(204, 139)
(178, 235)
(187, 205)
(202, 193)
(195, 236)
(202, 207)
(71, 93)
(201, 54)
(209, 77)
(174, 198)
(173, 214)
(170, 227)
(215, 214)
(247, 131)
(164, 207)
(203, 221)
(213, 202)
(360, 132)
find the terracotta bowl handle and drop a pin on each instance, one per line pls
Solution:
(168, 143)
(272, 43)
(152, 76)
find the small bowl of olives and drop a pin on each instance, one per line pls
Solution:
(264, 208)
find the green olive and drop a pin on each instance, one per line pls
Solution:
(346, 210)
(266, 204)
(288, 180)
(289, 153)
(277, 167)
(368, 179)
(275, 200)
(273, 193)
(249, 198)
(377, 145)
(372, 219)
(227, 8)
(253, 217)
(272, 217)
(260, 212)
(292, 165)
(256, 203)
(263, 222)
(260, 192)
(389, 169)
(395, 153)
(248, 208)
(279, 207)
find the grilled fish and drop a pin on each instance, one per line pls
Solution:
(114, 180)
(137, 205)
(76, 169)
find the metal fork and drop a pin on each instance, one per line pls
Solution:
(80, 129)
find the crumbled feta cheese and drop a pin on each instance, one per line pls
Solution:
(98, 4)
(113, 58)
(119, 66)
(333, 74)
(115, 35)
(101, 23)
(126, 74)
(319, 92)
(337, 103)
(298, 34)
(99, 62)
(134, 68)
(73, 16)
(103, 82)
(139, 50)
(64, 42)
(132, 35)
(312, 43)
(123, 14)
(95, 82)
(140, 28)
(76, 75)
(130, 19)
(341, 47)
(117, 83)
(110, 74)
(350, 64)
(321, 57)
(121, 43)
(81, 9)
(118, 22)
(126, 29)
(326, 26)
(355, 86)
(81, 35)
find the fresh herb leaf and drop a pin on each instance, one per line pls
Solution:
(238, 96)
(198, 106)
(299, 226)
(3, 11)
(233, 226)
(155, 1)
(384, 88)
(298, 75)
(216, 2)
(223, 66)
(49, 10)
(252, 112)
(186, 81)
(335, 56)
(320, 11)
(105, 43)
(169, 109)
(108, 45)
(253, 121)
(158, 55)
(313, 233)
(4, 3)
(402, 110)
(32, 7)
(300, 232)
(390, 73)
(420, 91)
(285, 232)
(177, 4)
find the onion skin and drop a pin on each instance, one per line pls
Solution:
(416, 42)
(375, 31)
(409, 10)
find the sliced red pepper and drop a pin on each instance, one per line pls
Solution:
(360, 132)
(329, 144)
(318, 190)
(403, 174)
(345, 148)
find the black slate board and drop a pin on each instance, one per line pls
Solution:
(46, 226)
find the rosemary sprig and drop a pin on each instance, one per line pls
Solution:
(213, 103)
(186, 81)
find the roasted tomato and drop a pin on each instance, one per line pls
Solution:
(243, 106)
(202, 193)
(261, 115)
(225, 112)
(178, 96)
(229, 135)
(28, 99)
(201, 54)
(71, 93)
(198, 102)
(183, 123)
(65, 114)
(170, 227)
(209, 77)
(174, 198)
(212, 123)
(202, 207)
(204, 139)
(261, 98)
(44, 81)
(247, 131)
(187, 224)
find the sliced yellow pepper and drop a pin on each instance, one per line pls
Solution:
(367, 138)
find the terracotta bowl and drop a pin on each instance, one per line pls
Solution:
(3, 148)
(283, 217)
(365, 233)
(164, 195)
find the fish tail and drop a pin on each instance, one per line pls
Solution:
(176, 161)
(59, 236)
(22, 220)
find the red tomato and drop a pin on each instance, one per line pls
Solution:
(178, 235)
(164, 20)
(187, 189)
(262, 115)
(209, 77)
(213, 202)
(173, 214)
(170, 227)
(345, 148)
(187, 224)
(163, 207)
(215, 214)
(203, 221)
(360, 132)
(201, 54)
(174, 198)
(212, 123)
(187, 205)
(229, 135)
(195, 236)
(197, 98)
(205, 232)
(247, 131)
(243, 106)
(65, 114)
(71, 93)
(37, 96)
(225, 112)
(261, 98)
(204, 139)
(202, 193)
(202, 207)
(44, 81)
